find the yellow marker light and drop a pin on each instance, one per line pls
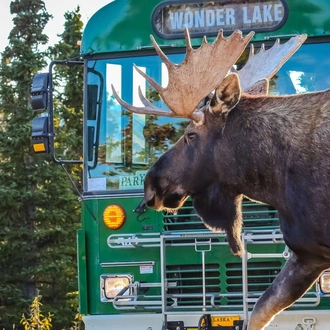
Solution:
(39, 147)
(114, 216)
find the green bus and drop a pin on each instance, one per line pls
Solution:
(145, 270)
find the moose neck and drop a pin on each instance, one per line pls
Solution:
(261, 138)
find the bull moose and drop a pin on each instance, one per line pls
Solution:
(273, 149)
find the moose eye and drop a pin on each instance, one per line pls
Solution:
(190, 136)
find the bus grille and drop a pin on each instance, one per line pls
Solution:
(223, 283)
(260, 276)
(255, 216)
(185, 284)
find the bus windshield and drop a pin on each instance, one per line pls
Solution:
(127, 144)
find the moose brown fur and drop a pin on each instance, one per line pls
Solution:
(274, 149)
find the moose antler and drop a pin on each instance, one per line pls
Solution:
(266, 63)
(204, 68)
(191, 81)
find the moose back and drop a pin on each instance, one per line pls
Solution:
(274, 149)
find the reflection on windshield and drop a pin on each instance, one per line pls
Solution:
(130, 143)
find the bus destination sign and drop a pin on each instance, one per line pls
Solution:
(170, 18)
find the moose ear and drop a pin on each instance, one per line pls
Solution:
(226, 95)
(261, 87)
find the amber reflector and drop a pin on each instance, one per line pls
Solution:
(39, 147)
(114, 216)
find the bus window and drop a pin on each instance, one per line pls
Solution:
(309, 68)
(303, 72)
(113, 116)
(139, 145)
(130, 143)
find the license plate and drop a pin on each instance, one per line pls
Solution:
(224, 321)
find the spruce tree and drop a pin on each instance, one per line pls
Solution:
(21, 59)
(69, 99)
(68, 112)
(39, 213)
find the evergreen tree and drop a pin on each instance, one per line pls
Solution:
(68, 112)
(69, 99)
(39, 213)
(20, 60)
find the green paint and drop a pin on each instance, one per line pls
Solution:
(125, 25)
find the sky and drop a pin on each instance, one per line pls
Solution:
(57, 8)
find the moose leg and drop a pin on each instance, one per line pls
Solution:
(291, 283)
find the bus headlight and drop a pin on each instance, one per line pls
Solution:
(112, 285)
(325, 282)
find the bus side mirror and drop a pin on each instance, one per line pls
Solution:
(39, 101)
(43, 133)
(39, 92)
(40, 135)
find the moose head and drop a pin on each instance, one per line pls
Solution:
(169, 183)
(204, 152)
(273, 149)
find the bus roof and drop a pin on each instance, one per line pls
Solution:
(126, 25)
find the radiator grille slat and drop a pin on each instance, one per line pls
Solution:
(260, 275)
(185, 286)
(185, 283)
(255, 216)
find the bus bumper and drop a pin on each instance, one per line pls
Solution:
(290, 320)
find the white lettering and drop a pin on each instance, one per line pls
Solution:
(230, 16)
(125, 181)
(245, 16)
(130, 181)
(176, 20)
(226, 16)
(220, 20)
(123, 241)
(188, 19)
(199, 18)
(267, 15)
(278, 13)
(210, 17)
(256, 15)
